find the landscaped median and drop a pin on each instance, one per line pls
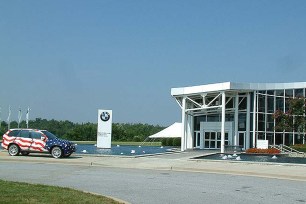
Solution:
(17, 192)
(262, 151)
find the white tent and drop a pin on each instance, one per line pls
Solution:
(172, 131)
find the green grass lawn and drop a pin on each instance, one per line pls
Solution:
(17, 192)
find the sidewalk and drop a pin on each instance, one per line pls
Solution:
(174, 162)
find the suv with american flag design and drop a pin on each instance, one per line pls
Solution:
(27, 141)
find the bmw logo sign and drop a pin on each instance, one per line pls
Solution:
(105, 116)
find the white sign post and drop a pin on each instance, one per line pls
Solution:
(104, 133)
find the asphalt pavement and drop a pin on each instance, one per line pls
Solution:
(170, 178)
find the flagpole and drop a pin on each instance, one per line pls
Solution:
(19, 116)
(9, 118)
(27, 117)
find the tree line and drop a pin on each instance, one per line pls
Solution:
(87, 131)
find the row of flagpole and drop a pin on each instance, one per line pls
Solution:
(19, 117)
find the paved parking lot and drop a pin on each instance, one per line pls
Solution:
(163, 179)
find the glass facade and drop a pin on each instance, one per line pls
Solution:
(268, 102)
(263, 104)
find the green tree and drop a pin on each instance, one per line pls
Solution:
(87, 131)
(294, 119)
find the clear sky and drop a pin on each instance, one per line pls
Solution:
(68, 58)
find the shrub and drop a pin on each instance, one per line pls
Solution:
(299, 147)
(171, 142)
(176, 142)
(262, 151)
(136, 139)
(164, 142)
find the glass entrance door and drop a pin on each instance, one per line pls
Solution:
(212, 140)
(196, 139)
(241, 140)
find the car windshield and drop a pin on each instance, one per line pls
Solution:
(49, 134)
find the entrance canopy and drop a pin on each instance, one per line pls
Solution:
(173, 131)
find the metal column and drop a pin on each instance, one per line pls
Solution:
(223, 123)
(183, 138)
(247, 136)
(254, 118)
(236, 119)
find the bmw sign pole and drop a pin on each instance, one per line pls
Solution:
(104, 133)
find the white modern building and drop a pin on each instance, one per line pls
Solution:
(235, 114)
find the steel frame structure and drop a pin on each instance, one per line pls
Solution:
(215, 98)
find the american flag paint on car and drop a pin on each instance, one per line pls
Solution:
(27, 141)
(24, 143)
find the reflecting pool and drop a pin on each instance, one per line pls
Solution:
(255, 158)
(125, 150)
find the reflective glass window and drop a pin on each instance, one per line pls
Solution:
(287, 104)
(229, 117)
(243, 103)
(252, 99)
(278, 138)
(197, 121)
(288, 139)
(270, 138)
(230, 103)
(270, 105)
(213, 118)
(218, 135)
(270, 122)
(226, 136)
(24, 133)
(14, 133)
(261, 135)
(36, 135)
(289, 93)
(207, 135)
(198, 139)
(242, 121)
(261, 103)
(213, 135)
(298, 139)
(298, 93)
(270, 92)
(279, 92)
(261, 122)
(279, 103)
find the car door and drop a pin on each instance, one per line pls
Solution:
(23, 140)
(38, 143)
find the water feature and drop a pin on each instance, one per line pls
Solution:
(127, 150)
(255, 158)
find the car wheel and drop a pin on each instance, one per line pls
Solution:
(25, 153)
(56, 152)
(13, 150)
